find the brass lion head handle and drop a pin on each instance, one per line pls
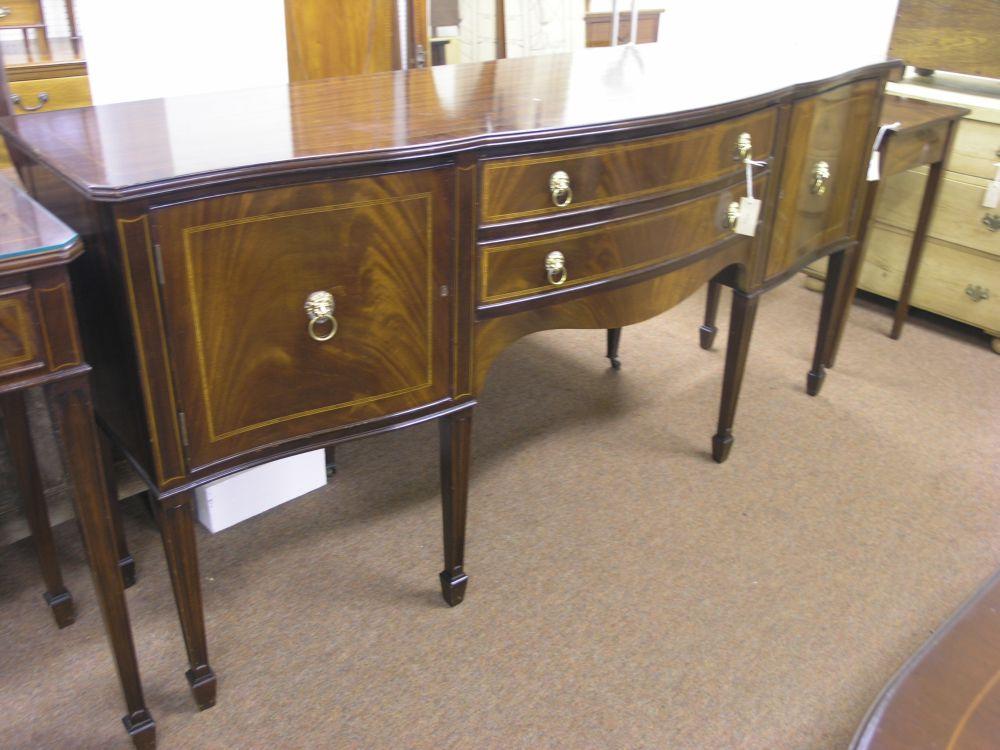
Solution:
(319, 309)
(820, 178)
(555, 268)
(562, 193)
(744, 146)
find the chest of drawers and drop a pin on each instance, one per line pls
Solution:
(360, 269)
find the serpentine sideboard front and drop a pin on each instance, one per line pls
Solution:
(276, 270)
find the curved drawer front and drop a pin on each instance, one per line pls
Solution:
(304, 308)
(520, 187)
(518, 270)
(828, 137)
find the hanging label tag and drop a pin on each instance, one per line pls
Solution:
(992, 197)
(746, 222)
(875, 162)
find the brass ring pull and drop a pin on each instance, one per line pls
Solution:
(555, 268)
(43, 98)
(820, 178)
(744, 145)
(562, 193)
(732, 214)
(319, 308)
(992, 222)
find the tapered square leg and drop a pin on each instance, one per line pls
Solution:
(614, 338)
(741, 320)
(708, 330)
(331, 460)
(833, 292)
(126, 563)
(73, 413)
(456, 454)
(22, 454)
(177, 529)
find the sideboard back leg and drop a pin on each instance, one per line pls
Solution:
(125, 560)
(835, 290)
(22, 454)
(614, 338)
(740, 328)
(74, 415)
(708, 330)
(177, 529)
(456, 455)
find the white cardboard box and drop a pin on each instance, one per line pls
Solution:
(228, 501)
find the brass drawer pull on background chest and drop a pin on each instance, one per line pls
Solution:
(977, 293)
(43, 98)
(744, 145)
(992, 222)
(555, 268)
(319, 308)
(4, 12)
(562, 193)
(820, 178)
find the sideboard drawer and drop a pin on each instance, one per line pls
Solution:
(18, 341)
(246, 278)
(521, 187)
(828, 136)
(556, 261)
(19, 13)
(976, 148)
(915, 148)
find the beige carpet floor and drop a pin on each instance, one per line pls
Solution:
(626, 591)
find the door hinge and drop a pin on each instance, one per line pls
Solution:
(182, 423)
(158, 259)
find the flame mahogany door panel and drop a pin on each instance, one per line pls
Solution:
(237, 272)
(833, 128)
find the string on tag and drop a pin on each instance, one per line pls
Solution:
(750, 164)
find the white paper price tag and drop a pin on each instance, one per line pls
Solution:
(992, 197)
(746, 222)
(875, 162)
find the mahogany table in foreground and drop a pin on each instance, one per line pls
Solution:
(947, 696)
(40, 346)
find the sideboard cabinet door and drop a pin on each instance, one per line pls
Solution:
(827, 140)
(300, 309)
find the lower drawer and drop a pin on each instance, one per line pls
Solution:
(957, 283)
(555, 261)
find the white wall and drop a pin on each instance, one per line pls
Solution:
(142, 49)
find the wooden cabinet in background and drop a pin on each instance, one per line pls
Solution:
(599, 28)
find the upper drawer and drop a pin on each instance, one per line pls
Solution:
(958, 217)
(47, 94)
(976, 148)
(556, 261)
(519, 187)
(300, 309)
(18, 13)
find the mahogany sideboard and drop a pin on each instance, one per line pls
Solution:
(276, 270)
(40, 347)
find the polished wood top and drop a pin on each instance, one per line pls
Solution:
(118, 151)
(31, 237)
(913, 114)
(948, 695)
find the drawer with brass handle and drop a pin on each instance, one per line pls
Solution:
(517, 270)
(20, 13)
(338, 291)
(534, 186)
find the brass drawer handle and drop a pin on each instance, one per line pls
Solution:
(562, 193)
(319, 309)
(992, 222)
(43, 97)
(976, 293)
(820, 177)
(744, 145)
(4, 12)
(555, 268)
(732, 215)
